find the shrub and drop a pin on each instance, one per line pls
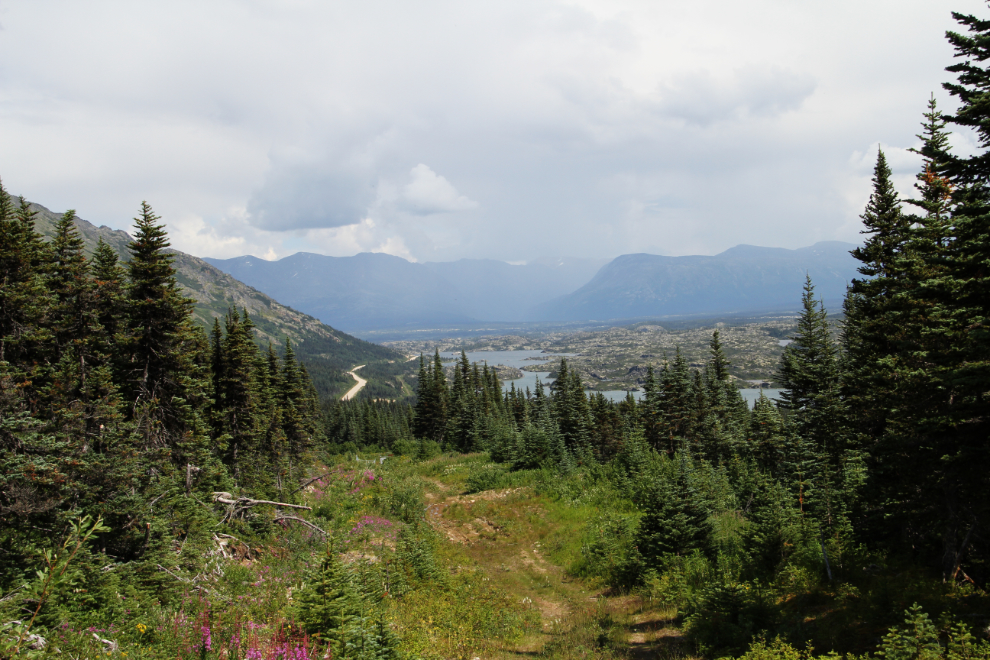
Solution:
(486, 477)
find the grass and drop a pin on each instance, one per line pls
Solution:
(515, 570)
(497, 580)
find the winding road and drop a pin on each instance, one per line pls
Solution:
(361, 382)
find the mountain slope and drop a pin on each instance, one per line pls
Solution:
(743, 278)
(327, 352)
(374, 290)
(365, 291)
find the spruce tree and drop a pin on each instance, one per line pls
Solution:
(809, 376)
(675, 520)
(328, 604)
(25, 300)
(677, 403)
(165, 377)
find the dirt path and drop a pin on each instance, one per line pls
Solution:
(511, 536)
(361, 382)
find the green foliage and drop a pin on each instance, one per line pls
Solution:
(727, 615)
(607, 550)
(328, 605)
(487, 476)
(416, 553)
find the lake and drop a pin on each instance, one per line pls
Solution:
(520, 359)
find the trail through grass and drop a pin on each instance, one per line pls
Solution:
(522, 542)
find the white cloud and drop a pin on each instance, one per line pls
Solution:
(427, 193)
(364, 236)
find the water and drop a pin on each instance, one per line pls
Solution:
(515, 359)
(752, 394)
(519, 359)
(749, 394)
(620, 395)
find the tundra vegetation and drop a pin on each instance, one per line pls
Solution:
(171, 492)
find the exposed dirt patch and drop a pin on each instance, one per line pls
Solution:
(470, 531)
(653, 634)
(553, 613)
(532, 561)
(352, 556)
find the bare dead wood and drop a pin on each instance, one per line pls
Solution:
(180, 579)
(190, 471)
(309, 481)
(11, 594)
(302, 522)
(193, 583)
(228, 536)
(247, 502)
(154, 501)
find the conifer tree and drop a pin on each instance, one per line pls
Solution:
(809, 376)
(25, 301)
(677, 403)
(328, 604)
(165, 379)
(675, 520)
(769, 439)
(108, 304)
(73, 314)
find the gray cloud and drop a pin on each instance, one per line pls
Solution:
(311, 195)
(509, 129)
(754, 91)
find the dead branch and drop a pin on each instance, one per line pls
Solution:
(302, 522)
(180, 579)
(309, 481)
(151, 506)
(247, 502)
(11, 594)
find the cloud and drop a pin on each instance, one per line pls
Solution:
(427, 193)
(491, 129)
(364, 236)
(899, 159)
(754, 91)
(304, 193)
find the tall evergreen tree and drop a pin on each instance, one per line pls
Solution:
(25, 300)
(809, 376)
(166, 380)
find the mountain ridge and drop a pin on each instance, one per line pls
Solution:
(381, 290)
(742, 278)
(377, 290)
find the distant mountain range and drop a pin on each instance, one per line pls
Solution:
(374, 290)
(745, 278)
(326, 350)
(371, 291)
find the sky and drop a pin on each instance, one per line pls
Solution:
(503, 129)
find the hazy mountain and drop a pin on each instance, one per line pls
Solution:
(215, 292)
(373, 290)
(743, 278)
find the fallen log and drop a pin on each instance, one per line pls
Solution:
(309, 481)
(247, 502)
(302, 522)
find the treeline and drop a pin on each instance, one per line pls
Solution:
(111, 398)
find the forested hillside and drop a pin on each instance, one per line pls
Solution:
(327, 351)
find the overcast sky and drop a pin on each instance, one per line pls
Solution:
(441, 130)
